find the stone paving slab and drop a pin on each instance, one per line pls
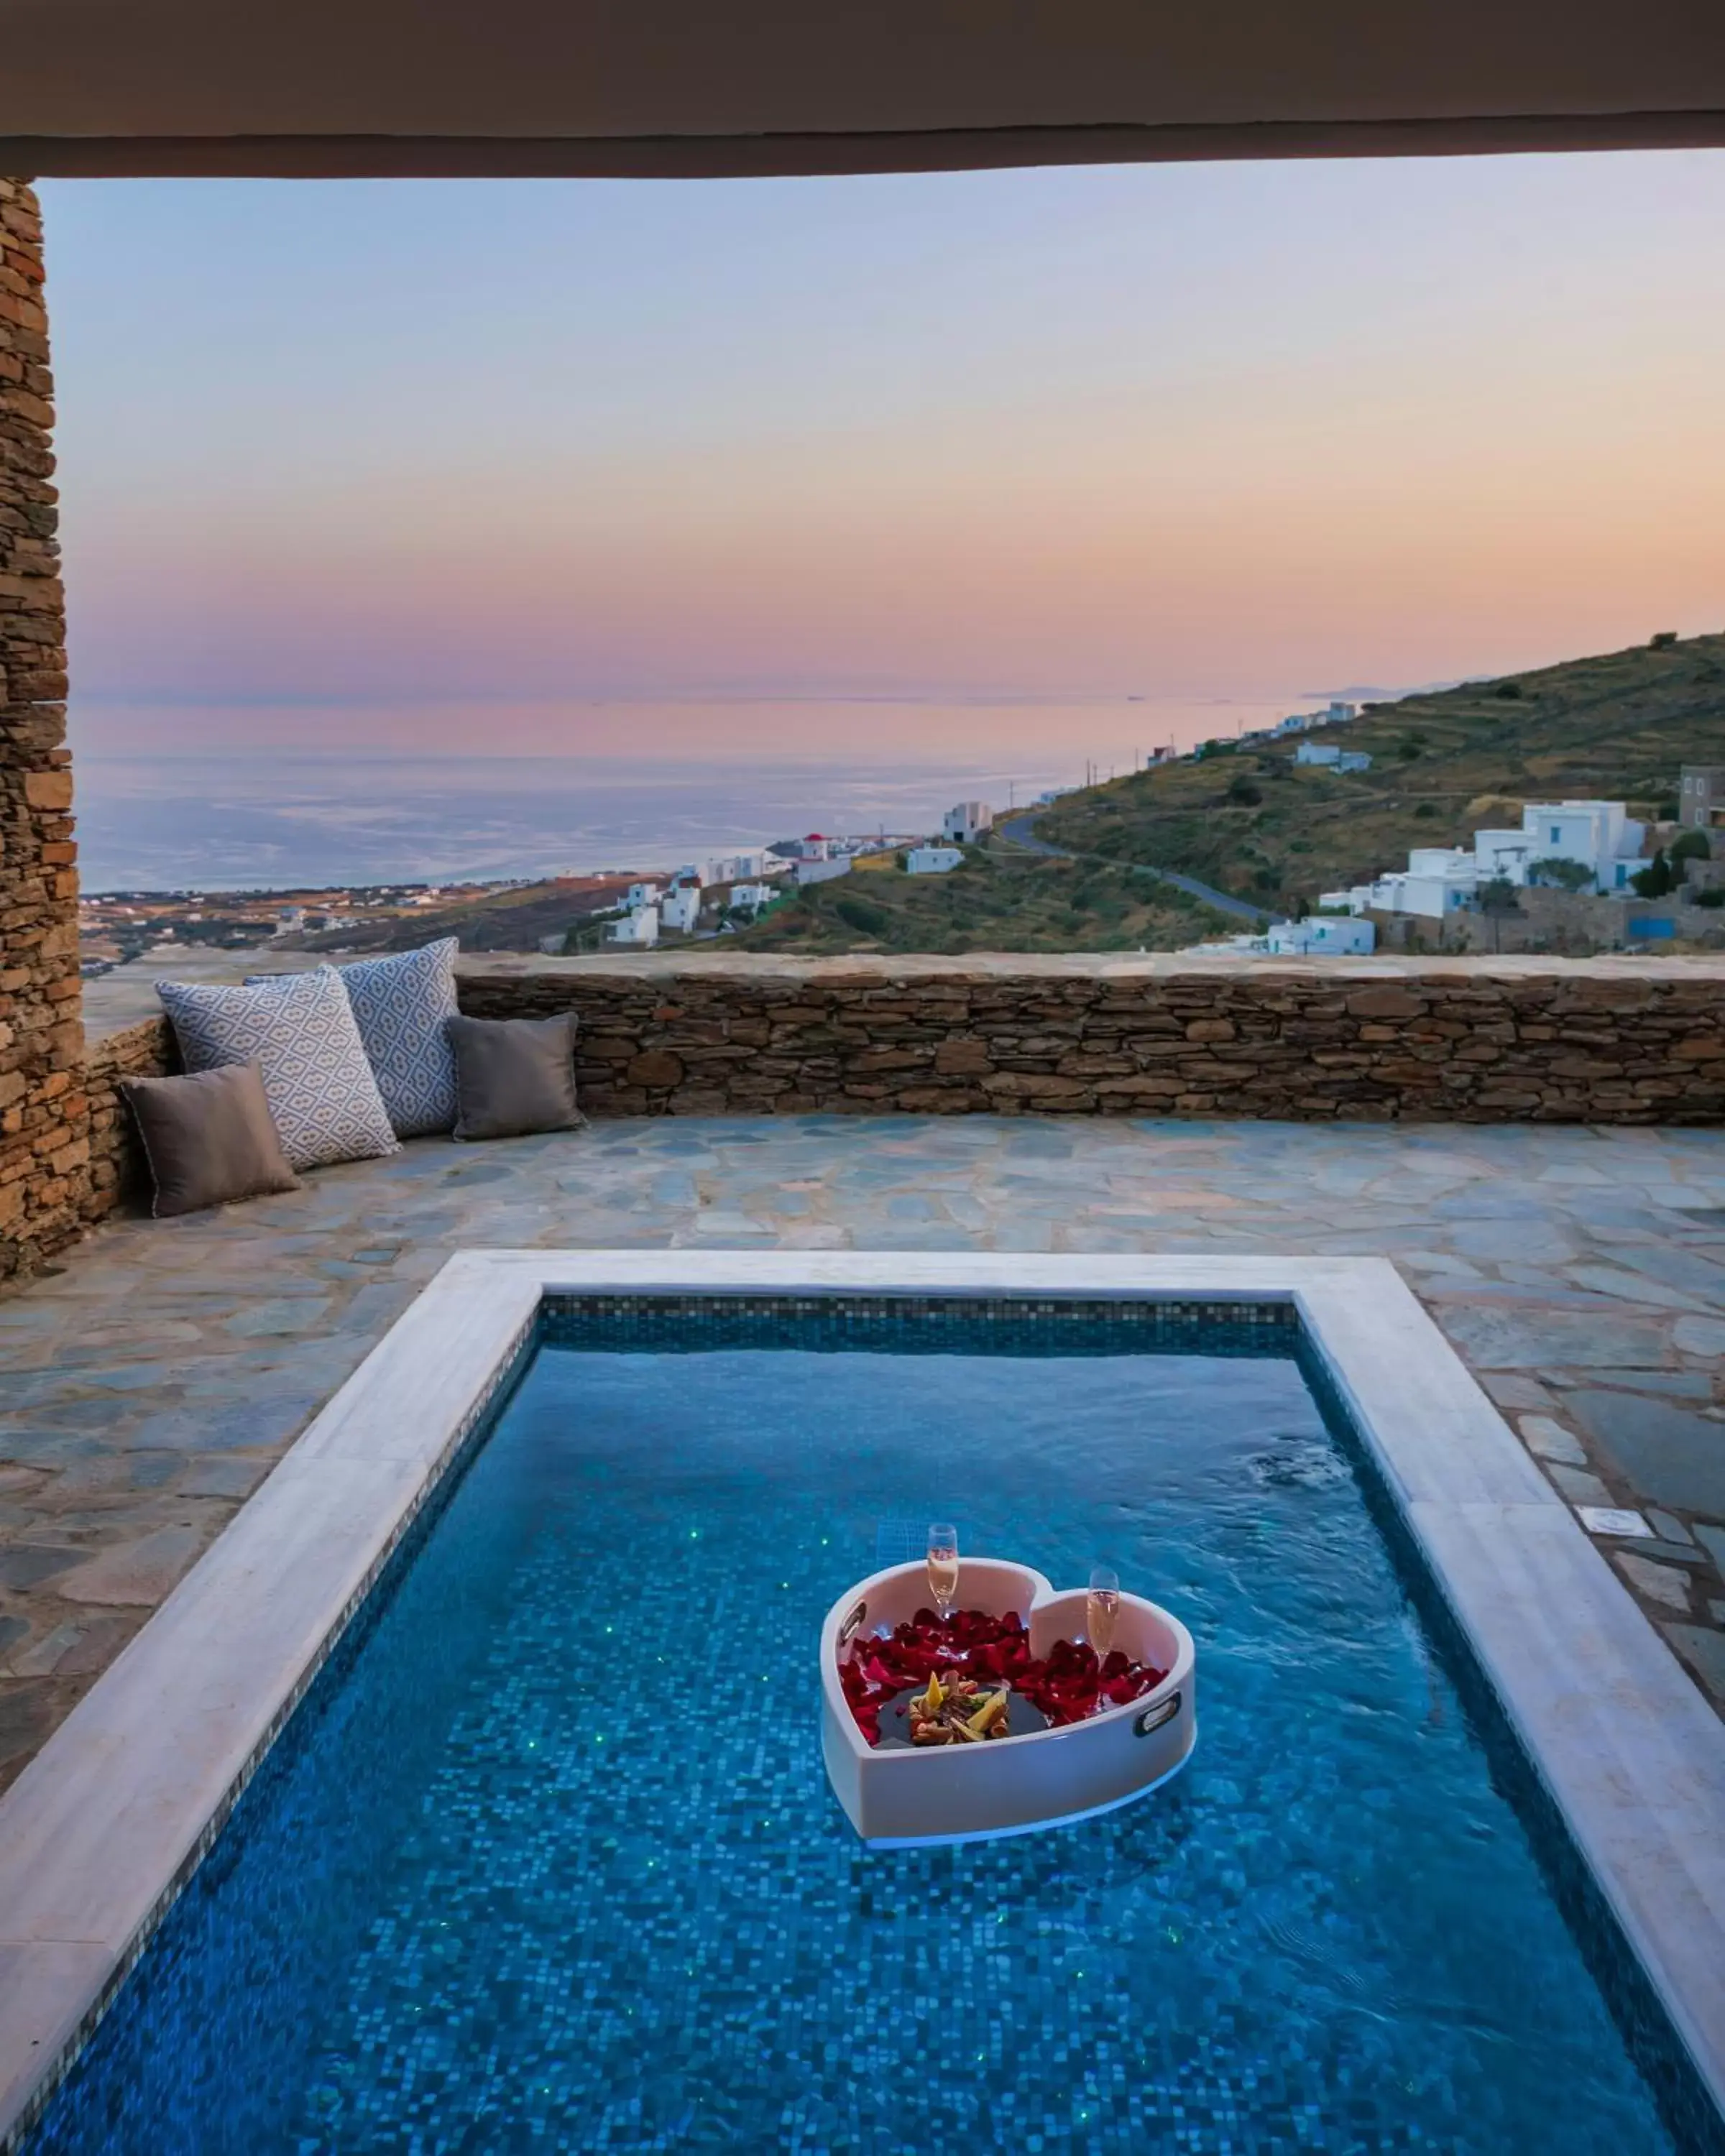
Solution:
(149, 1385)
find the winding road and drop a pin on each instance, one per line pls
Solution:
(1018, 830)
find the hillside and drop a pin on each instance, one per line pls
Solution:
(511, 919)
(997, 901)
(1250, 821)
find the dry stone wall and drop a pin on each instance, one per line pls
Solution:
(44, 1111)
(118, 1176)
(1466, 1042)
(1564, 1044)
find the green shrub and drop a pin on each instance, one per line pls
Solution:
(1510, 691)
(1714, 894)
(1244, 793)
(1555, 874)
(1426, 808)
(863, 914)
(1656, 879)
(1691, 846)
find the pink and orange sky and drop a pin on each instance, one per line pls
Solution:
(443, 466)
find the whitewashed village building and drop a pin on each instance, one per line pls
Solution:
(933, 860)
(1327, 755)
(820, 871)
(1597, 835)
(639, 930)
(736, 868)
(1321, 936)
(967, 822)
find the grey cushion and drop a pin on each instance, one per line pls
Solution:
(301, 1035)
(209, 1139)
(399, 1005)
(514, 1076)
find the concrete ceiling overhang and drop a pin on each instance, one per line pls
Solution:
(688, 88)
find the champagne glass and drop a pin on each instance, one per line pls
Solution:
(1101, 1610)
(943, 1567)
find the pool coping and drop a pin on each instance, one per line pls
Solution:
(114, 1812)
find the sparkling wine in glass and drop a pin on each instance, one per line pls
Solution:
(1101, 1610)
(943, 1566)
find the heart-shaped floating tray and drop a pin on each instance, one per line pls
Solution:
(900, 1797)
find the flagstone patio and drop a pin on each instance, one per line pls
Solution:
(148, 1386)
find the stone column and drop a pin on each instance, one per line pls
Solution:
(44, 1146)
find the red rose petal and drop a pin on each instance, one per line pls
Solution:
(1067, 1685)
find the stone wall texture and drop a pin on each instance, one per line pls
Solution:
(1574, 1045)
(118, 1176)
(1466, 1042)
(45, 1112)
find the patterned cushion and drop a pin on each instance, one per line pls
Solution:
(401, 1005)
(301, 1033)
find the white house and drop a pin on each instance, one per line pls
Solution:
(968, 821)
(933, 860)
(681, 909)
(819, 871)
(1437, 880)
(735, 868)
(1336, 759)
(1339, 714)
(1322, 936)
(1598, 836)
(751, 897)
(638, 929)
(639, 894)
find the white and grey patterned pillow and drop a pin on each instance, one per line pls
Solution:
(400, 1004)
(301, 1033)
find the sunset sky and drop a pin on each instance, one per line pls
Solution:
(424, 465)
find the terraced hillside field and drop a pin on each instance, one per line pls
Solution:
(1248, 820)
(1000, 899)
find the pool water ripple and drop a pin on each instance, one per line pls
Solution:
(552, 1864)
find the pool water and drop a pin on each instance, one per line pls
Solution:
(548, 1860)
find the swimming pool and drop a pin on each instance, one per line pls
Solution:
(547, 1859)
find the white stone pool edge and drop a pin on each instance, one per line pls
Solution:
(113, 1812)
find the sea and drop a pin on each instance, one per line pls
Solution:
(276, 814)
